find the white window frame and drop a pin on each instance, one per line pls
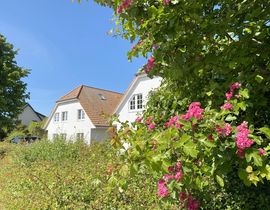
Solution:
(64, 116)
(63, 136)
(56, 117)
(136, 102)
(80, 114)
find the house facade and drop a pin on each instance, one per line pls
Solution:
(29, 115)
(133, 103)
(82, 114)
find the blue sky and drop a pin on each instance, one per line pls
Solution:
(65, 45)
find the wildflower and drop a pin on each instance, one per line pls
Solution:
(210, 138)
(226, 131)
(168, 177)
(166, 2)
(162, 189)
(234, 86)
(124, 5)
(194, 110)
(229, 95)
(138, 119)
(150, 64)
(227, 106)
(178, 176)
(171, 169)
(149, 120)
(242, 140)
(173, 122)
(151, 126)
(192, 203)
(261, 151)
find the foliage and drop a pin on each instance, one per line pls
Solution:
(12, 88)
(201, 152)
(202, 46)
(37, 128)
(67, 175)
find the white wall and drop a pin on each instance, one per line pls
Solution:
(73, 125)
(143, 85)
(27, 116)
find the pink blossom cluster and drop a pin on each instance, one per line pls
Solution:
(173, 122)
(233, 87)
(149, 122)
(225, 130)
(242, 140)
(150, 65)
(166, 2)
(194, 110)
(192, 204)
(175, 172)
(227, 106)
(124, 5)
(261, 151)
(162, 189)
(138, 119)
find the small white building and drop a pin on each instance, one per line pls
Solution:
(135, 98)
(82, 114)
(29, 115)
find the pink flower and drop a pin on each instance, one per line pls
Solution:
(226, 131)
(229, 95)
(234, 86)
(173, 122)
(150, 64)
(162, 189)
(168, 177)
(192, 203)
(227, 106)
(194, 110)
(124, 5)
(178, 176)
(178, 166)
(261, 151)
(166, 2)
(171, 169)
(183, 196)
(242, 140)
(149, 120)
(138, 119)
(151, 126)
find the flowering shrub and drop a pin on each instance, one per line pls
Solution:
(188, 153)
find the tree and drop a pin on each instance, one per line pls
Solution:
(12, 88)
(202, 46)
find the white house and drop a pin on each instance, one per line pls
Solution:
(135, 98)
(29, 115)
(82, 114)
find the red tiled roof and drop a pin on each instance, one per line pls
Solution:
(97, 103)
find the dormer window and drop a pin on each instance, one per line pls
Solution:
(136, 102)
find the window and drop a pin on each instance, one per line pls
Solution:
(81, 114)
(80, 136)
(64, 116)
(136, 102)
(56, 117)
(63, 136)
(55, 136)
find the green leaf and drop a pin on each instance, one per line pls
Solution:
(190, 149)
(266, 131)
(244, 93)
(220, 181)
(230, 118)
(259, 78)
(253, 154)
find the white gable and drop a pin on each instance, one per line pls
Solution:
(72, 125)
(141, 85)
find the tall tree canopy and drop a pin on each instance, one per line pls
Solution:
(12, 88)
(202, 45)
